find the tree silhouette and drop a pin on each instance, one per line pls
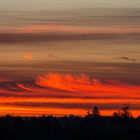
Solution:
(71, 127)
(88, 113)
(95, 111)
(125, 112)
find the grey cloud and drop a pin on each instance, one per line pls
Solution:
(126, 58)
(8, 38)
(123, 72)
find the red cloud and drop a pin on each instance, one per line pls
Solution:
(84, 84)
(53, 92)
(67, 82)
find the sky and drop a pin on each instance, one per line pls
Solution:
(65, 4)
(64, 59)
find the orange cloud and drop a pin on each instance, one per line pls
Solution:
(84, 84)
(57, 28)
(66, 82)
(59, 94)
(27, 56)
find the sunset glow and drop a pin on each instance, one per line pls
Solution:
(67, 94)
(66, 57)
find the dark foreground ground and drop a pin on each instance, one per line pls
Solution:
(69, 128)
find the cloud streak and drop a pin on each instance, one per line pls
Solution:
(57, 91)
(61, 32)
(126, 59)
(58, 28)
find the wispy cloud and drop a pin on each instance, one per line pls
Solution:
(57, 92)
(67, 92)
(125, 59)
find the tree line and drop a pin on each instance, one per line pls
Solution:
(93, 126)
(125, 112)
